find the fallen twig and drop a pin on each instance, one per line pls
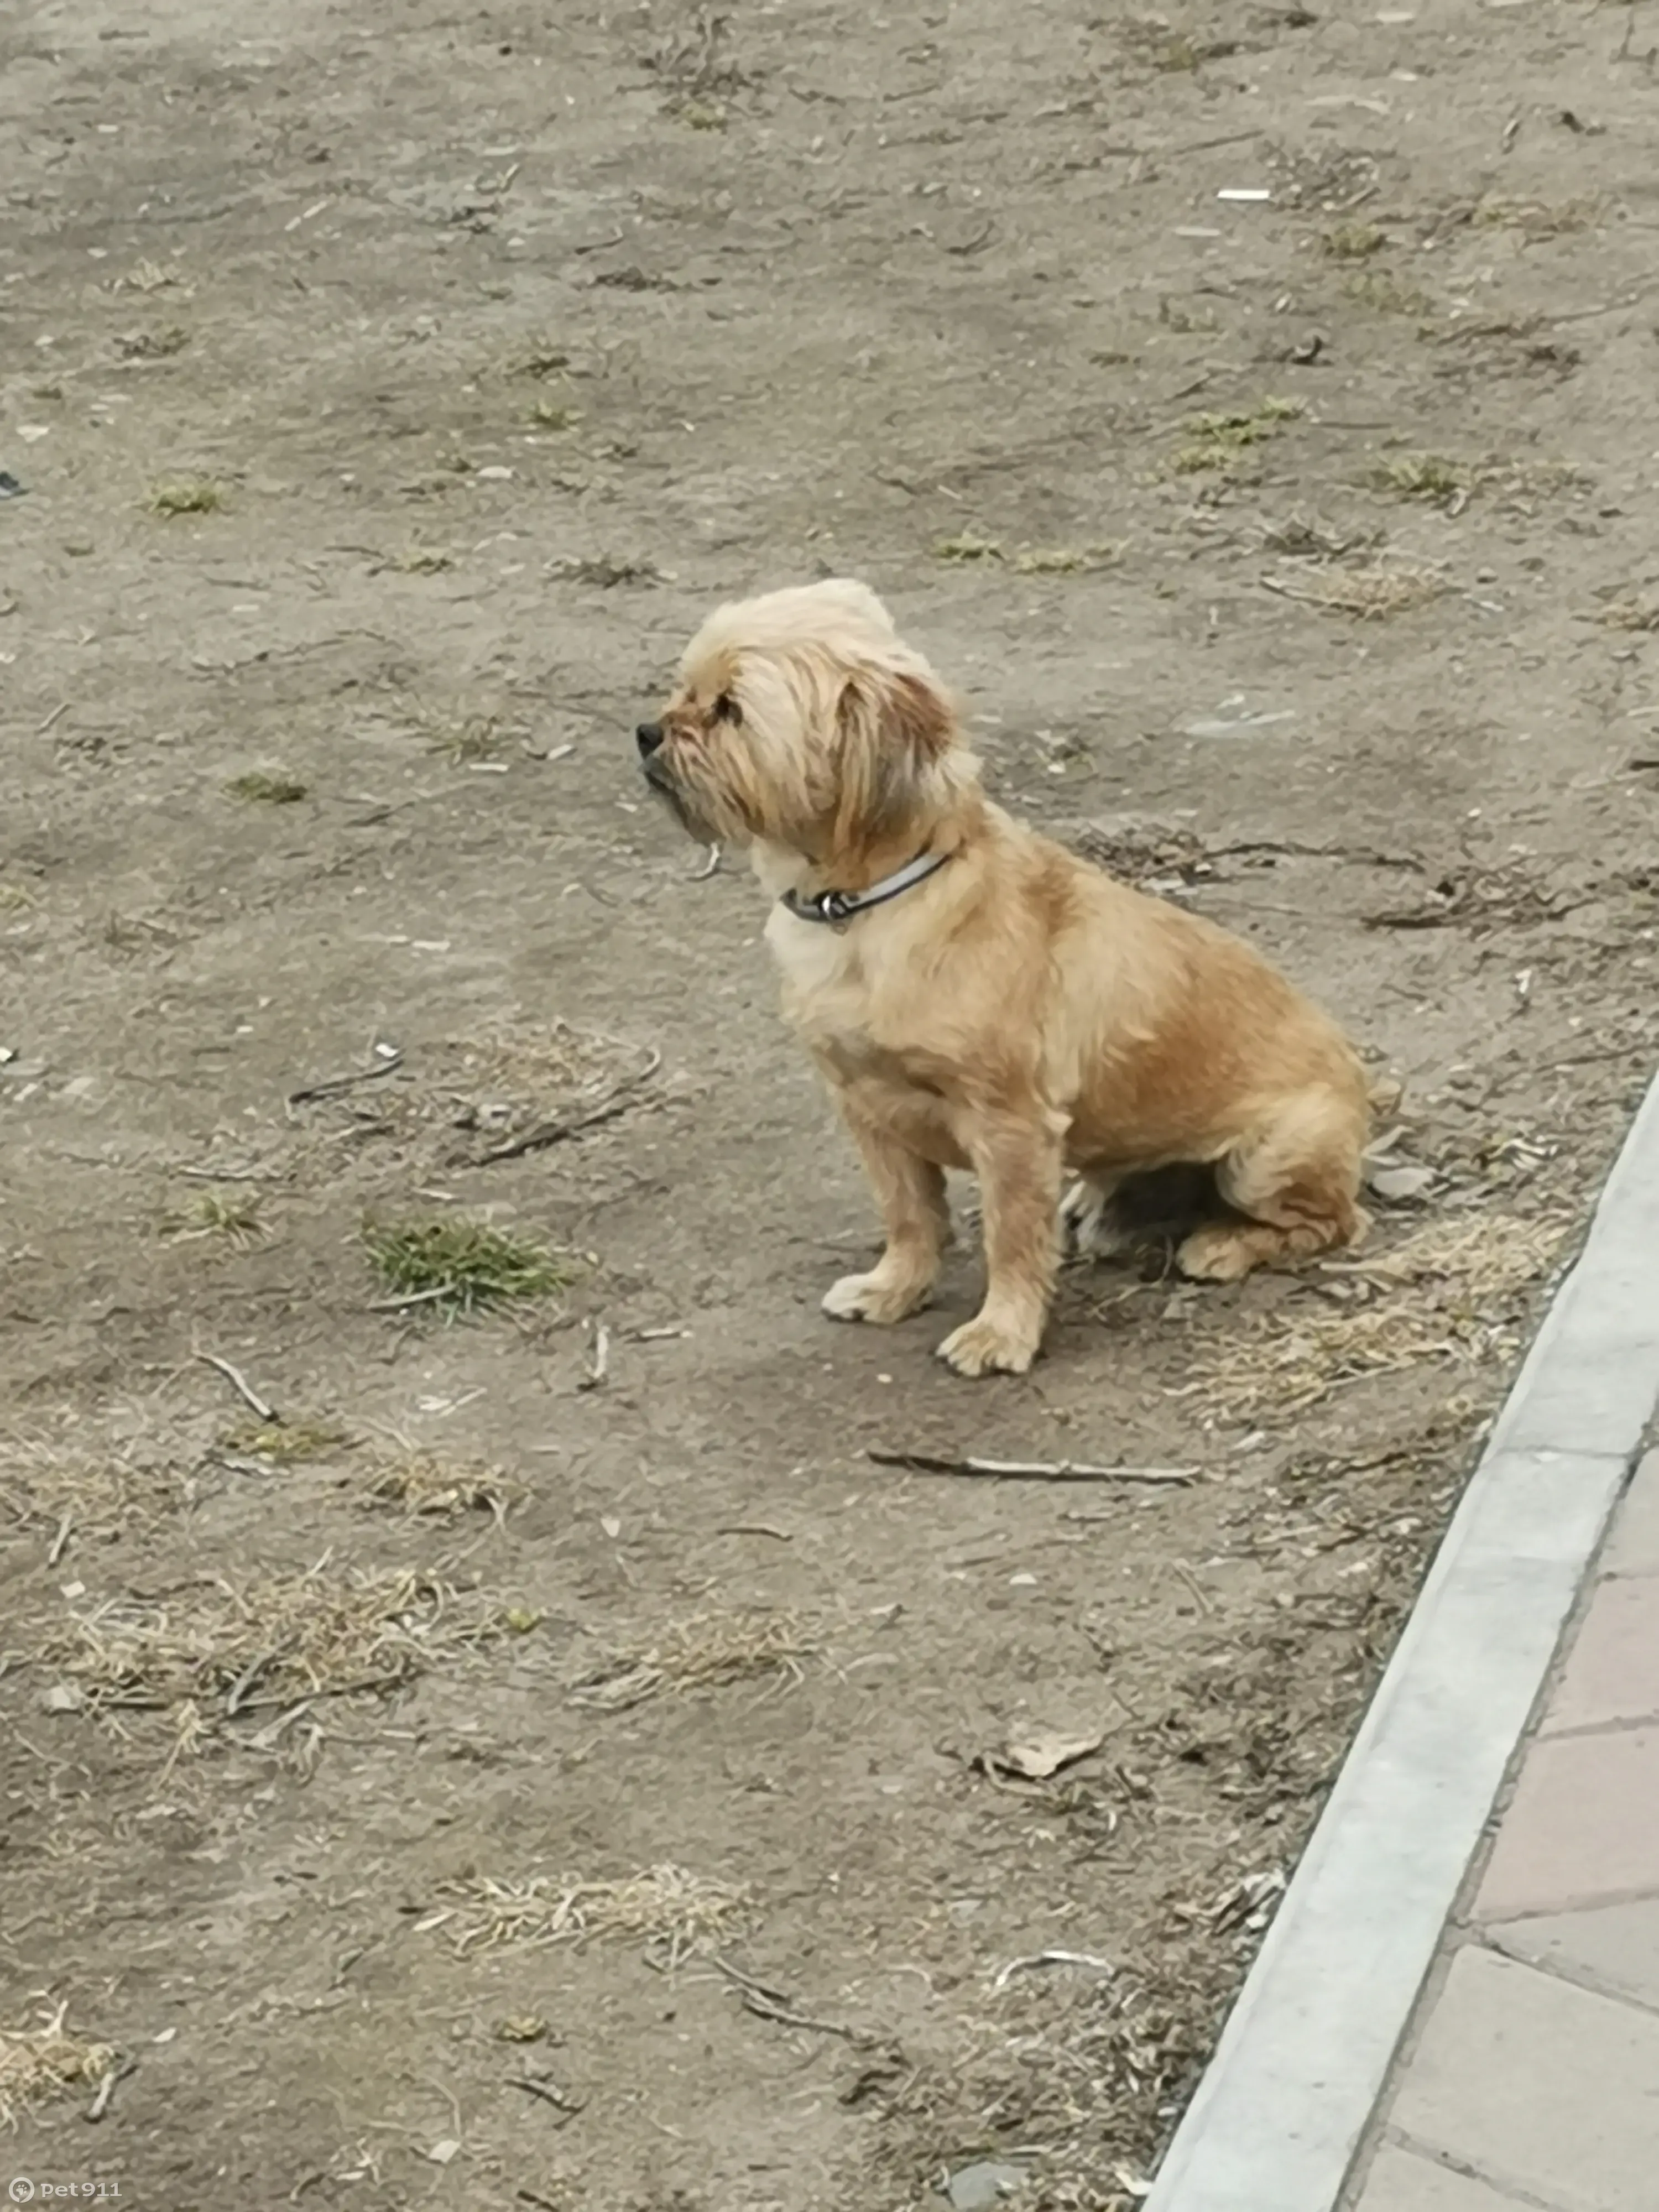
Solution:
(1029, 1470)
(64, 1527)
(106, 2090)
(243, 1390)
(244, 1681)
(598, 1367)
(331, 1086)
(1006, 1974)
(572, 1125)
(710, 867)
(773, 2005)
(1368, 854)
(566, 2107)
(414, 1298)
(238, 1463)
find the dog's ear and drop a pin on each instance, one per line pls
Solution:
(892, 728)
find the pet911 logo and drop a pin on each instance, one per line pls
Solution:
(24, 2190)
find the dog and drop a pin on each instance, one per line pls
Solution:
(978, 998)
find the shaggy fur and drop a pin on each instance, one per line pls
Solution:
(1017, 1013)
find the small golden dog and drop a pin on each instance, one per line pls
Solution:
(977, 997)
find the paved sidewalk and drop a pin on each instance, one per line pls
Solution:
(1529, 2077)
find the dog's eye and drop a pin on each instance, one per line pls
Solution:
(726, 709)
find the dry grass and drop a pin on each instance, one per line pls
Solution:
(1428, 477)
(288, 1443)
(261, 789)
(484, 1091)
(174, 496)
(1309, 537)
(1629, 615)
(1171, 52)
(472, 737)
(1217, 441)
(421, 561)
(673, 1911)
(700, 1654)
(1368, 591)
(423, 1485)
(276, 1639)
(1387, 295)
(1031, 560)
(543, 359)
(233, 1215)
(43, 1486)
(1445, 483)
(1066, 560)
(152, 276)
(967, 546)
(1540, 218)
(608, 571)
(38, 2064)
(152, 345)
(1454, 1293)
(1352, 241)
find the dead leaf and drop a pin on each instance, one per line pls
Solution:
(1033, 1758)
(1401, 1186)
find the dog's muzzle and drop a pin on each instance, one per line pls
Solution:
(649, 737)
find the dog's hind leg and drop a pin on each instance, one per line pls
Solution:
(1089, 1225)
(1295, 1180)
(916, 1217)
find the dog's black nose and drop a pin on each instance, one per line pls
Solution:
(647, 738)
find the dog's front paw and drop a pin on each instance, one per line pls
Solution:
(870, 1297)
(989, 1347)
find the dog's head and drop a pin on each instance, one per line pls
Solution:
(801, 720)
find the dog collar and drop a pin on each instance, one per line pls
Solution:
(838, 908)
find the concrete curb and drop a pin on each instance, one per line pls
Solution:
(1279, 2114)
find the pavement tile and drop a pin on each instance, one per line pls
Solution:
(1612, 1672)
(1584, 1828)
(1633, 1547)
(1616, 1947)
(1550, 2090)
(1399, 2181)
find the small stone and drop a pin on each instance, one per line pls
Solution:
(983, 2185)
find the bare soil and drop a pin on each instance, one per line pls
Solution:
(392, 390)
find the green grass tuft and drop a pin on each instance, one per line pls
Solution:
(186, 495)
(461, 1266)
(1354, 241)
(1421, 476)
(287, 1444)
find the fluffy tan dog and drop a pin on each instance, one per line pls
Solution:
(978, 998)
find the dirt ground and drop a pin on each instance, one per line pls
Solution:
(560, 1764)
